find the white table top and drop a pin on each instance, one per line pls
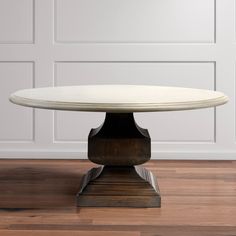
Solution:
(118, 98)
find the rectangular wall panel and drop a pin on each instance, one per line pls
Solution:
(16, 122)
(143, 21)
(16, 21)
(190, 126)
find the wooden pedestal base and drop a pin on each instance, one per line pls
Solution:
(120, 145)
(111, 186)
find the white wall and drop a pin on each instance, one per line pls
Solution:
(188, 43)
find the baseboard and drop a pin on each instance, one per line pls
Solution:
(77, 154)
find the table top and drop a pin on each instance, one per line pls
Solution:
(118, 98)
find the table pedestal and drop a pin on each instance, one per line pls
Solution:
(119, 144)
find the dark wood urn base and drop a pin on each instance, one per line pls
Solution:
(120, 145)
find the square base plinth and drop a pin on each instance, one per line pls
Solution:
(125, 186)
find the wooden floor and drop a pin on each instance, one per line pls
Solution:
(37, 198)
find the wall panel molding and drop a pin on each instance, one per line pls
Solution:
(11, 30)
(109, 7)
(30, 112)
(137, 67)
(186, 42)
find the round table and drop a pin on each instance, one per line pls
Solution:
(119, 144)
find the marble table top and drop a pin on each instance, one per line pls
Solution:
(118, 98)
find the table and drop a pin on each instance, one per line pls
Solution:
(119, 144)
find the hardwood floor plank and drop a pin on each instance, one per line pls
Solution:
(65, 233)
(37, 197)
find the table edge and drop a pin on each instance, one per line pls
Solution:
(118, 107)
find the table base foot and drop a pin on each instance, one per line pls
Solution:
(119, 186)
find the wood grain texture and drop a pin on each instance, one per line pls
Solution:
(119, 144)
(119, 141)
(37, 198)
(119, 186)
